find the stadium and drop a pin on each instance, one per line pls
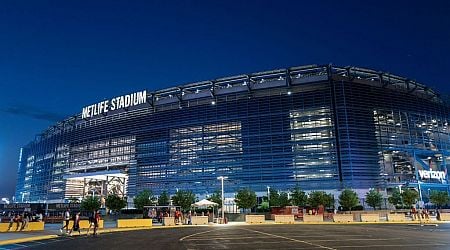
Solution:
(316, 127)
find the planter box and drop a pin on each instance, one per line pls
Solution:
(289, 219)
(168, 221)
(370, 217)
(255, 218)
(199, 220)
(134, 223)
(396, 217)
(342, 218)
(445, 217)
(32, 226)
(312, 218)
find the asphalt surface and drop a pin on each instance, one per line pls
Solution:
(260, 237)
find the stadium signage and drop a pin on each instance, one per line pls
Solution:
(17, 206)
(430, 174)
(63, 206)
(120, 102)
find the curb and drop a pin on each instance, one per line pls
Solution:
(27, 239)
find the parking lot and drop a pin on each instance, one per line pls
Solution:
(263, 237)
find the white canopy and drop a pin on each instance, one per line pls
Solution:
(204, 203)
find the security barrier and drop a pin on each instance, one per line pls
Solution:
(134, 223)
(343, 218)
(312, 218)
(32, 226)
(396, 217)
(445, 217)
(168, 221)
(260, 218)
(370, 217)
(284, 218)
(199, 220)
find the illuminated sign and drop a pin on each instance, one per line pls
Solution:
(120, 102)
(430, 174)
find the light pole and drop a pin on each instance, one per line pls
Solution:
(268, 196)
(420, 194)
(400, 191)
(223, 207)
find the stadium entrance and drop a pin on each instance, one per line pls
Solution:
(100, 184)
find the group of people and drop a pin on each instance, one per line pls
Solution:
(152, 213)
(21, 221)
(421, 214)
(94, 220)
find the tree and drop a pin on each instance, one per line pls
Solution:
(90, 203)
(263, 207)
(410, 197)
(144, 198)
(320, 198)
(283, 199)
(298, 197)
(217, 198)
(374, 198)
(246, 198)
(348, 199)
(396, 198)
(278, 199)
(115, 203)
(184, 199)
(163, 199)
(274, 198)
(439, 198)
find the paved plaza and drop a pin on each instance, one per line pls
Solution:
(404, 236)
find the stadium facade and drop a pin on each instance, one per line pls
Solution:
(318, 127)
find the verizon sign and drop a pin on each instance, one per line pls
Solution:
(430, 174)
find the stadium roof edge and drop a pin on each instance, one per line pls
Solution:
(352, 73)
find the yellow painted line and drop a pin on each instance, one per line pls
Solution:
(27, 239)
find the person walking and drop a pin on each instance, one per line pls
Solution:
(91, 222)
(14, 219)
(66, 217)
(96, 222)
(76, 224)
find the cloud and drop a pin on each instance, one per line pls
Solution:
(33, 112)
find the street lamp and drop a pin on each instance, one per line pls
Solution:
(420, 194)
(268, 196)
(223, 207)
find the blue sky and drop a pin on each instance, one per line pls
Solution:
(58, 56)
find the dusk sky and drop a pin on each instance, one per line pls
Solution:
(59, 56)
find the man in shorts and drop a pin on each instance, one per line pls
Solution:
(76, 224)
(66, 218)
